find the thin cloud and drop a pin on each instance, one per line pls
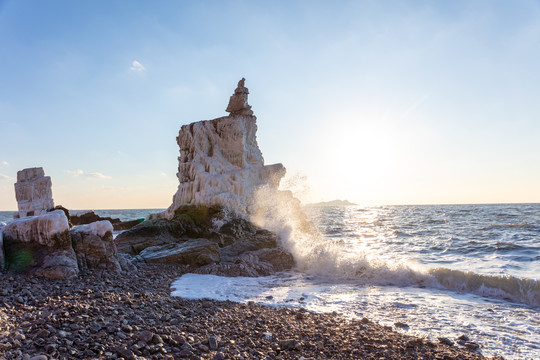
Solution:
(5, 177)
(95, 175)
(4, 163)
(137, 67)
(75, 172)
(163, 174)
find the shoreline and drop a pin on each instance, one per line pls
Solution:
(106, 315)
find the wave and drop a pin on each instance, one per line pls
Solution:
(507, 287)
(333, 261)
(317, 256)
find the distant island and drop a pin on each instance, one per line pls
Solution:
(333, 203)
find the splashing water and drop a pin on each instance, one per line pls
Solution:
(443, 270)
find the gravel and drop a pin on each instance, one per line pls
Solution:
(107, 315)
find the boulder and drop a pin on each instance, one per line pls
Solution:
(193, 252)
(41, 245)
(154, 232)
(260, 239)
(188, 222)
(221, 243)
(251, 264)
(94, 246)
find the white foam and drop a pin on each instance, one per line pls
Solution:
(499, 327)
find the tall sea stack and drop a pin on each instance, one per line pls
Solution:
(220, 162)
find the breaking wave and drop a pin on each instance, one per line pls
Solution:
(333, 259)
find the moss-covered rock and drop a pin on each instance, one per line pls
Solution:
(206, 236)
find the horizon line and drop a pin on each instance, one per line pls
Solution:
(430, 204)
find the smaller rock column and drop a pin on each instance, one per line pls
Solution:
(33, 192)
(238, 103)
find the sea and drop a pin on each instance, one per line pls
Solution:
(434, 271)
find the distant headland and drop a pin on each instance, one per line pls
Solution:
(333, 203)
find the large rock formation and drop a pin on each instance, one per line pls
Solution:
(33, 191)
(225, 205)
(209, 240)
(220, 162)
(220, 171)
(41, 245)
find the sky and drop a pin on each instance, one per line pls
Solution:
(376, 102)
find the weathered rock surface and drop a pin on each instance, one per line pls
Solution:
(33, 191)
(225, 196)
(89, 217)
(220, 162)
(188, 222)
(262, 262)
(41, 245)
(44, 246)
(94, 246)
(208, 237)
(193, 252)
(238, 103)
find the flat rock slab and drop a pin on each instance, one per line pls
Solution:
(194, 252)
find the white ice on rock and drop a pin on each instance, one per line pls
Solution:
(99, 228)
(41, 229)
(220, 162)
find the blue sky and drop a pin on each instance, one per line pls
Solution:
(378, 102)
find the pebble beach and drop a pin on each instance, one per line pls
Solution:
(107, 315)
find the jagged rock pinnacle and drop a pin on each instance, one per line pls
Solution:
(238, 103)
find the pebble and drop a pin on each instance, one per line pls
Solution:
(219, 356)
(185, 353)
(401, 325)
(186, 346)
(94, 317)
(213, 342)
(289, 344)
(446, 341)
(156, 339)
(38, 357)
(145, 336)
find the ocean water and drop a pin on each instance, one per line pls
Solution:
(122, 214)
(444, 271)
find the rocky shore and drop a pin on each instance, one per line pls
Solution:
(109, 315)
